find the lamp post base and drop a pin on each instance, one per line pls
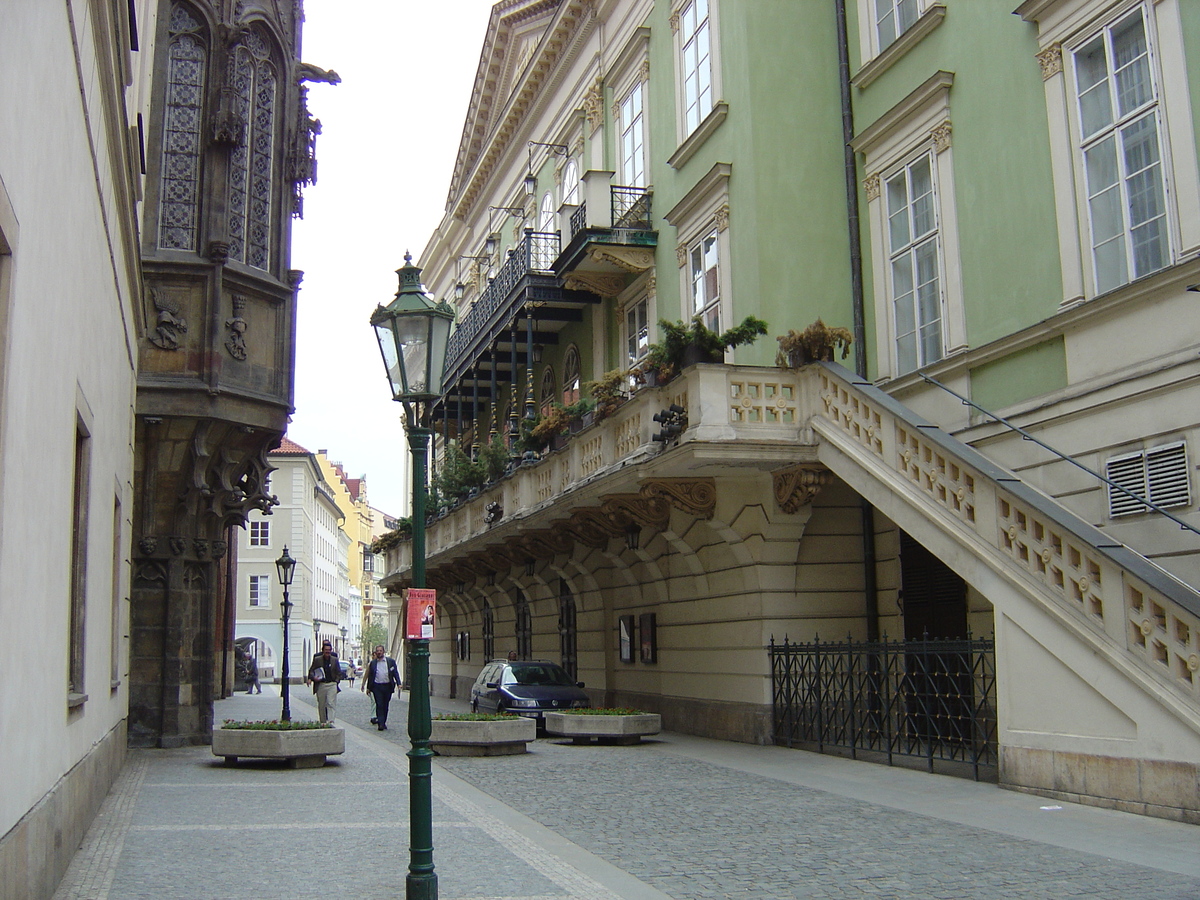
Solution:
(421, 887)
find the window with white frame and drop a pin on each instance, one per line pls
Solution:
(570, 182)
(1159, 475)
(260, 590)
(260, 533)
(695, 35)
(546, 217)
(704, 263)
(1119, 131)
(893, 18)
(637, 331)
(633, 138)
(914, 265)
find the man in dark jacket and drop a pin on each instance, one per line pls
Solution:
(324, 673)
(381, 678)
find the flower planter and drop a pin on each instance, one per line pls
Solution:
(303, 749)
(482, 737)
(582, 729)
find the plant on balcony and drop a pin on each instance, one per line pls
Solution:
(816, 343)
(495, 458)
(459, 475)
(527, 444)
(684, 344)
(390, 539)
(608, 393)
(581, 413)
(551, 423)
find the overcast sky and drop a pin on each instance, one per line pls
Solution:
(389, 137)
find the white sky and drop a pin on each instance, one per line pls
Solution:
(390, 134)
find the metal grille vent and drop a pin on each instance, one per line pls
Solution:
(1159, 474)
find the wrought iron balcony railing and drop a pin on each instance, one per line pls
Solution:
(631, 207)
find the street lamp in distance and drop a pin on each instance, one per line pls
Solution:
(286, 567)
(413, 331)
(344, 631)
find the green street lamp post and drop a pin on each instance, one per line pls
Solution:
(413, 331)
(286, 567)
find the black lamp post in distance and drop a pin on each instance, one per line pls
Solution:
(286, 567)
(413, 332)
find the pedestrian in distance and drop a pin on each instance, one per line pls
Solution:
(324, 673)
(381, 677)
(252, 685)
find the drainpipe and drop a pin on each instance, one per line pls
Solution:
(866, 511)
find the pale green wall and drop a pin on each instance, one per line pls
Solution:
(1036, 370)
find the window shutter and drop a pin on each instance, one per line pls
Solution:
(1167, 472)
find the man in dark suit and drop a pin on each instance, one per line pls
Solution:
(324, 673)
(381, 678)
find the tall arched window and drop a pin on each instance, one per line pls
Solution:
(570, 182)
(489, 632)
(183, 117)
(255, 83)
(524, 628)
(546, 395)
(546, 219)
(570, 391)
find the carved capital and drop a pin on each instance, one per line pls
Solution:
(218, 252)
(674, 21)
(148, 545)
(593, 105)
(1051, 61)
(871, 187)
(798, 486)
(941, 136)
(722, 217)
(681, 255)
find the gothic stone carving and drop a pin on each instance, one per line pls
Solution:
(236, 342)
(169, 322)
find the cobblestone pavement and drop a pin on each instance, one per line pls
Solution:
(674, 818)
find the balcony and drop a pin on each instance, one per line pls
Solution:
(611, 236)
(613, 475)
(527, 276)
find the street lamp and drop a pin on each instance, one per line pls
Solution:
(286, 566)
(343, 630)
(413, 332)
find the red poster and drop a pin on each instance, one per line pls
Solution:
(422, 610)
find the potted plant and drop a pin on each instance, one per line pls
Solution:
(303, 744)
(816, 343)
(581, 413)
(612, 726)
(481, 734)
(528, 444)
(390, 539)
(495, 458)
(608, 393)
(552, 425)
(685, 344)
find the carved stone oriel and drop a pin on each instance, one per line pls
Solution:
(798, 486)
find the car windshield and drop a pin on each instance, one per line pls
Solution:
(537, 673)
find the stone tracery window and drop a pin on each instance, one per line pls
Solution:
(255, 85)
(179, 205)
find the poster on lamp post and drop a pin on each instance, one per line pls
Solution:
(422, 610)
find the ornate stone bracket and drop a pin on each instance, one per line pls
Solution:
(599, 284)
(694, 496)
(632, 259)
(798, 486)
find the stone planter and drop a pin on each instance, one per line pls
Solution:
(582, 729)
(303, 749)
(482, 737)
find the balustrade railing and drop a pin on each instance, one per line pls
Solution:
(631, 207)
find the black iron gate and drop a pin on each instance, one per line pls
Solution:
(929, 699)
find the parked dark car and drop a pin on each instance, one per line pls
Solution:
(526, 687)
(347, 668)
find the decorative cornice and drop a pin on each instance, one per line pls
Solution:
(798, 486)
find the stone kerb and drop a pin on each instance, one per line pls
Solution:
(303, 749)
(482, 737)
(582, 729)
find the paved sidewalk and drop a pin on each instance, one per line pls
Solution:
(676, 818)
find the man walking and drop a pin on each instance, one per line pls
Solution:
(381, 677)
(324, 673)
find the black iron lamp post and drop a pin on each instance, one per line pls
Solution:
(286, 566)
(413, 331)
(343, 631)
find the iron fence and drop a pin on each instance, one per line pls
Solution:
(630, 207)
(928, 699)
(579, 219)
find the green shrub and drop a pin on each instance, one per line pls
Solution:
(272, 725)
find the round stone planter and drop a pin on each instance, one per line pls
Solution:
(582, 729)
(303, 749)
(483, 737)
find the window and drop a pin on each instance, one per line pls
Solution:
(571, 376)
(704, 262)
(260, 533)
(183, 120)
(489, 631)
(893, 18)
(79, 557)
(637, 332)
(523, 627)
(368, 560)
(546, 219)
(260, 590)
(913, 265)
(570, 182)
(1160, 475)
(1122, 158)
(695, 37)
(633, 141)
(547, 391)
(254, 82)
